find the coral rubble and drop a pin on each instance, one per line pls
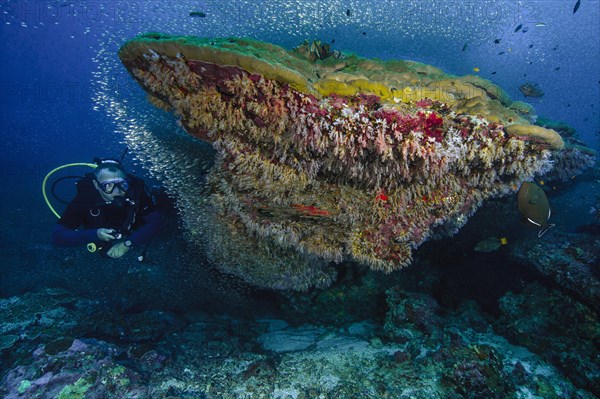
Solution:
(325, 157)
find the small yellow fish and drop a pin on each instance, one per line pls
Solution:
(542, 182)
(476, 69)
(490, 244)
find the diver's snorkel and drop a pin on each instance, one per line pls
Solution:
(125, 151)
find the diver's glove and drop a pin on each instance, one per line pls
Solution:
(106, 234)
(117, 250)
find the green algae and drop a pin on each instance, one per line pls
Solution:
(23, 386)
(117, 374)
(76, 390)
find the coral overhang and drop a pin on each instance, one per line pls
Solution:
(342, 158)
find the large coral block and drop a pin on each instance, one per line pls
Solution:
(339, 157)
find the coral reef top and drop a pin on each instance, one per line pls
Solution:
(313, 69)
(333, 156)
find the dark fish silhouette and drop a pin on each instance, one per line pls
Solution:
(464, 47)
(534, 206)
(198, 14)
(576, 6)
(525, 30)
(493, 73)
(531, 46)
(497, 41)
(531, 90)
(348, 12)
(518, 28)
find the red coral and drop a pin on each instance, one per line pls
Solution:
(403, 123)
(408, 123)
(316, 109)
(369, 100)
(338, 102)
(432, 125)
(310, 210)
(381, 196)
(254, 77)
(212, 73)
(390, 116)
(424, 103)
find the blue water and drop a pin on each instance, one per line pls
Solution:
(56, 54)
(65, 97)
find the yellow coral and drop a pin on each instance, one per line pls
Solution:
(522, 108)
(548, 136)
(492, 110)
(327, 87)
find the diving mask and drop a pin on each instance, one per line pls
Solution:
(109, 186)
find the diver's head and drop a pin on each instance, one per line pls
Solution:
(110, 180)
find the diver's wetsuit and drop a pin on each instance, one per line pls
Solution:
(89, 211)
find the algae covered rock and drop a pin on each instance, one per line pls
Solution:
(7, 341)
(558, 328)
(324, 157)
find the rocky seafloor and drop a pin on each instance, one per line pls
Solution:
(520, 322)
(542, 345)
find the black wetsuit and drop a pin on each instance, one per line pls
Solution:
(88, 212)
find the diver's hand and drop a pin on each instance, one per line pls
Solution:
(105, 234)
(117, 250)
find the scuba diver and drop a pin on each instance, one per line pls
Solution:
(110, 211)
